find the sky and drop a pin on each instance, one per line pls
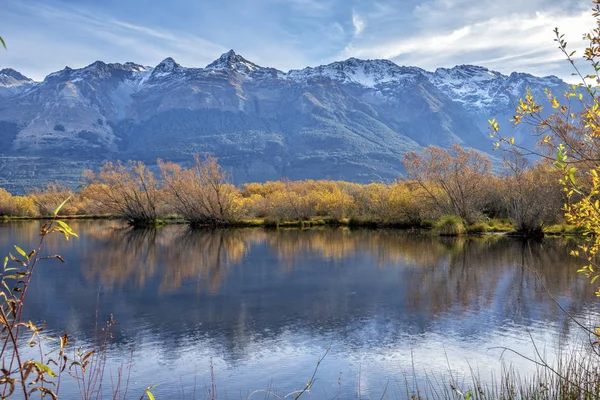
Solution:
(504, 35)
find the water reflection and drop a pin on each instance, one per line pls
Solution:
(126, 256)
(433, 275)
(256, 297)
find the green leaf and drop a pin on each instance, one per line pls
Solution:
(594, 278)
(66, 228)
(61, 205)
(61, 230)
(21, 252)
(3, 42)
(45, 369)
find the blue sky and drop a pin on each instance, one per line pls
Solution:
(505, 35)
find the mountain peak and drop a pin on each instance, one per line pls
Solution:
(11, 77)
(14, 74)
(232, 60)
(468, 72)
(131, 66)
(97, 64)
(368, 73)
(167, 65)
(96, 68)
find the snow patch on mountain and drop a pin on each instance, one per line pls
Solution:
(367, 73)
(10, 78)
(166, 67)
(233, 61)
(476, 89)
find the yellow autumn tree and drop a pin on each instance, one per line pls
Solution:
(570, 135)
(129, 190)
(5, 202)
(202, 193)
(454, 179)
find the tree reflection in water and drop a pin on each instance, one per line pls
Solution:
(127, 256)
(442, 274)
(247, 292)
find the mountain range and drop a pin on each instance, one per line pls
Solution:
(350, 120)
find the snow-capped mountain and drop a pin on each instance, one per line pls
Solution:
(479, 89)
(351, 119)
(13, 82)
(10, 78)
(366, 73)
(235, 62)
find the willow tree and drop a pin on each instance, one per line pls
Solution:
(455, 179)
(531, 195)
(202, 193)
(129, 190)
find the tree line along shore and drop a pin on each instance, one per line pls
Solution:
(452, 189)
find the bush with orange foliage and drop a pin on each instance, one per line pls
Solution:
(129, 190)
(334, 200)
(201, 194)
(51, 196)
(532, 195)
(400, 203)
(294, 202)
(22, 206)
(454, 179)
(16, 206)
(5, 202)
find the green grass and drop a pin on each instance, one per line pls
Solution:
(478, 228)
(450, 225)
(500, 225)
(492, 226)
(563, 229)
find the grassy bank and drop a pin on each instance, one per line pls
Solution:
(492, 226)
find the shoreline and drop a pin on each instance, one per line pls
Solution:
(493, 227)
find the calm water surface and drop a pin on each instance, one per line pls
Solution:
(266, 305)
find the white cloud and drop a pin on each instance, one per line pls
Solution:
(98, 37)
(358, 22)
(337, 26)
(517, 40)
(299, 33)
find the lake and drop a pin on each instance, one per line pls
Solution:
(391, 309)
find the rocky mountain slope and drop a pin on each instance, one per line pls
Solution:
(349, 120)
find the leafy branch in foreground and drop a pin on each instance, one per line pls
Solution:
(569, 135)
(27, 376)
